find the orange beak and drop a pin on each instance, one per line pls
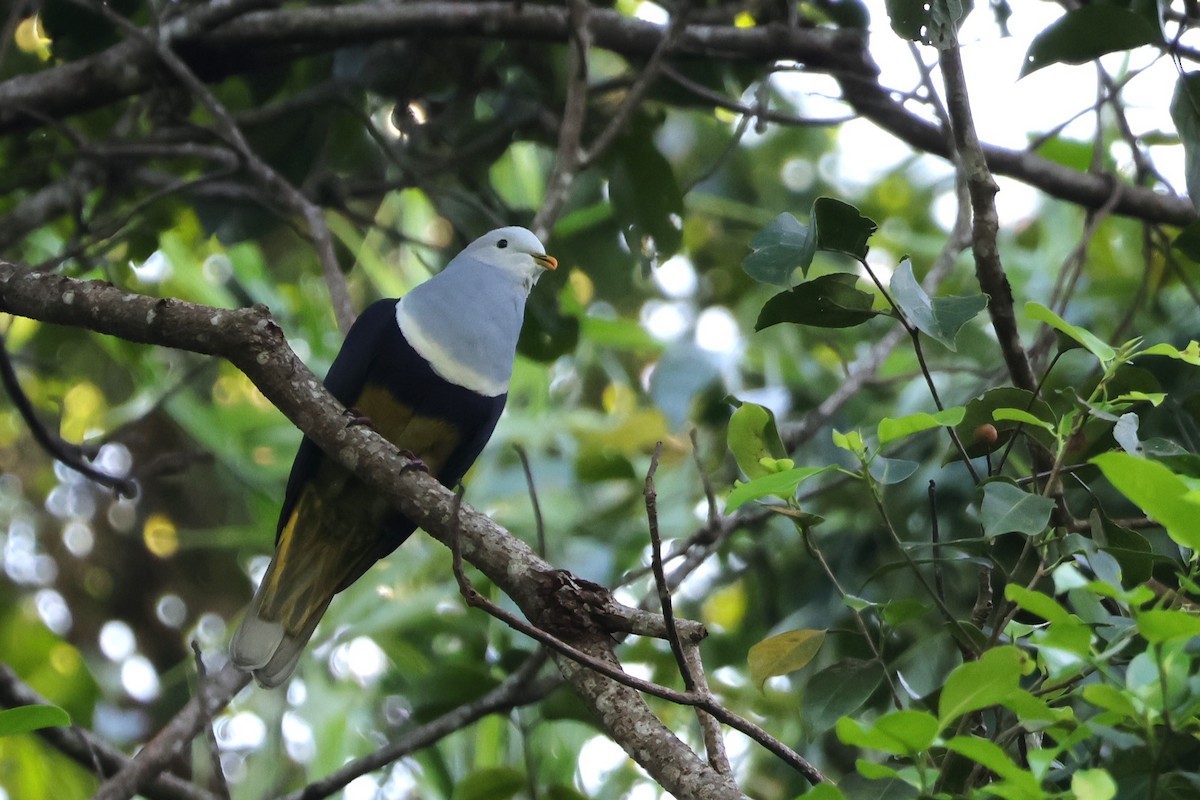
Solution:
(549, 262)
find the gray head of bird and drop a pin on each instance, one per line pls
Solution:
(516, 251)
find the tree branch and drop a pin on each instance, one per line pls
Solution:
(250, 340)
(213, 51)
(90, 751)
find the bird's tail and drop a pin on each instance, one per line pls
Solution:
(309, 567)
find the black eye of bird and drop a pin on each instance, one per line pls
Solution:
(502, 243)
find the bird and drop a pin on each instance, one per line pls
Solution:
(429, 372)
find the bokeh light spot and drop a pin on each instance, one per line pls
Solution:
(160, 536)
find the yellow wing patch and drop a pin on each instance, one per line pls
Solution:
(430, 439)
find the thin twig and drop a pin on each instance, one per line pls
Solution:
(633, 98)
(710, 496)
(89, 750)
(476, 600)
(214, 747)
(710, 728)
(660, 579)
(569, 155)
(518, 689)
(988, 269)
(939, 582)
(69, 454)
(173, 737)
(533, 500)
(271, 181)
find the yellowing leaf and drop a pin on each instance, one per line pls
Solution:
(784, 653)
(726, 607)
(30, 37)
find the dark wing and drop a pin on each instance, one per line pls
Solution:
(345, 381)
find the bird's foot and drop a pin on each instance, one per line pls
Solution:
(358, 418)
(414, 464)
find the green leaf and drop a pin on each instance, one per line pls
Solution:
(1038, 603)
(905, 609)
(1165, 625)
(1185, 111)
(1093, 784)
(1023, 417)
(1156, 490)
(830, 301)
(1007, 509)
(645, 194)
(1190, 354)
(783, 653)
(837, 690)
(824, 791)
(851, 442)
(1188, 240)
(841, 228)
(887, 471)
(1037, 311)
(752, 436)
(1110, 698)
(875, 772)
(775, 484)
(904, 733)
(1085, 34)
(786, 243)
(23, 719)
(980, 413)
(892, 429)
(994, 758)
(939, 318)
(928, 22)
(909, 18)
(979, 684)
(490, 783)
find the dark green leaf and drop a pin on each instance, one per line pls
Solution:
(1010, 509)
(646, 198)
(837, 690)
(1131, 549)
(830, 301)
(928, 22)
(909, 18)
(980, 413)
(779, 248)
(1087, 33)
(841, 228)
(24, 719)
(940, 318)
(1185, 111)
(1188, 240)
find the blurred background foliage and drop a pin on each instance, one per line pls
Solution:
(639, 336)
